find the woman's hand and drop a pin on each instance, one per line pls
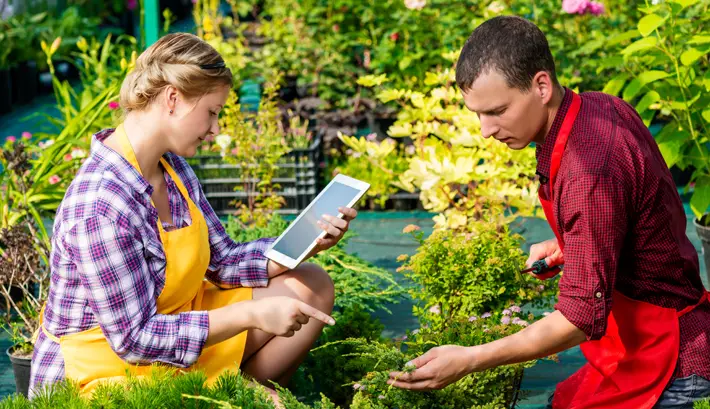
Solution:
(283, 316)
(335, 228)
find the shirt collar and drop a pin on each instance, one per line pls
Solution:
(543, 151)
(117, 163)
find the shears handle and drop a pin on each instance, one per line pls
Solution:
(542, 270)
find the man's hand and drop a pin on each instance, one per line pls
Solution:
(548, 250)
(436, 369)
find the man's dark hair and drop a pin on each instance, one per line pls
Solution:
(513, 46)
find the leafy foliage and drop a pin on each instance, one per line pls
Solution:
(494, 388)
(462, 275)
(459, 174)
(667, 77)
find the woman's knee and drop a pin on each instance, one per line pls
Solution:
(319, 286)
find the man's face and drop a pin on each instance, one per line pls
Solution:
(511, 116)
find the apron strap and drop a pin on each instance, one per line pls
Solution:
(705, 297)
(41, 327)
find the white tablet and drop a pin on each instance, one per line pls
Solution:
(300, 237)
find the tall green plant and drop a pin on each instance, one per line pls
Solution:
(667, 78)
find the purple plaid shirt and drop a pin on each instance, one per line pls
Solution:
(108, 265)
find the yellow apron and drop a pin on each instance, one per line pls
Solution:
(88, 357)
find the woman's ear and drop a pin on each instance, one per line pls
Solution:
(171, 95)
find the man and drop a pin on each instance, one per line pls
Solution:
(631, 292)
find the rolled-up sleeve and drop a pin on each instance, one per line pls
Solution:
(122, 294)
(234, 264)
(593, 220)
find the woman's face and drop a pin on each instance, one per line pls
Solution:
(193, 120)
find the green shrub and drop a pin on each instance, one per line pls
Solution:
(703, 404)
(495, 388)
(460, 275)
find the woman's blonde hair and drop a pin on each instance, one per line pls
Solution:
(182, 60)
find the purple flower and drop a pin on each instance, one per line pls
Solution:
(371, 137)
(415, 332)
(472, 318)
(486, 315)
(505, 320)
(356, 386)
(515, 309)
(506, 312)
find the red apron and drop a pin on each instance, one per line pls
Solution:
(631, 365)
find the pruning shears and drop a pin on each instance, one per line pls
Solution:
(541, 269)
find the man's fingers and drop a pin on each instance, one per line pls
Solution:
(314, 313)
(412, 386)
(422, 374)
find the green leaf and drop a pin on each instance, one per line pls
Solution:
(699, 39)
(671, 151)
(685, 3)
(640, 45)
(648, 77)
(648, 99)
(620, 38)
(706, 115)
(706, 81)
(690, 56)
(632, 89)
(700, 201)
(615, 85)
(501, 290)
(649, 23)
(404, 62)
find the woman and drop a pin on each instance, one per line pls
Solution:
(135, 238)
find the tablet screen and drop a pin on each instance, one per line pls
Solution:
(306, 230)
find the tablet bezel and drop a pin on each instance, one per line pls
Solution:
(291, 263)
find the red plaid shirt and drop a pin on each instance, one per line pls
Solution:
(623, 225)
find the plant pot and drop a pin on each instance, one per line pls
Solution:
(24, 81)
(21, 368)
(704, 234)
(289, 91)
(5, 91)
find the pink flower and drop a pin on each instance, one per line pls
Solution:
(336, 28)
(435, 309)
(575, 6)
(113, 105)
(381, 397)
(506, 312)
(68, 157)
(131, 4)
(356, 386)
(11, 139)
(414, 4)
(410, 150)
(486, 315)
(505, 320)
(367, 60)
(371, 137)
(394, 36)
(595, 8)
(472, 318)
(54, 179)
(515, 309)
(541, 287)
(26, 135)
(235, 151)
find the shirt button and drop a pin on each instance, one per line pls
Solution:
(598, 294)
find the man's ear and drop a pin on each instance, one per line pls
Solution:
(543, 86)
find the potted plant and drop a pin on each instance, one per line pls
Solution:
(24, 246)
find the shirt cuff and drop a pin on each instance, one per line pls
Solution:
(194, 327)
(589, 314)
(253, 269)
